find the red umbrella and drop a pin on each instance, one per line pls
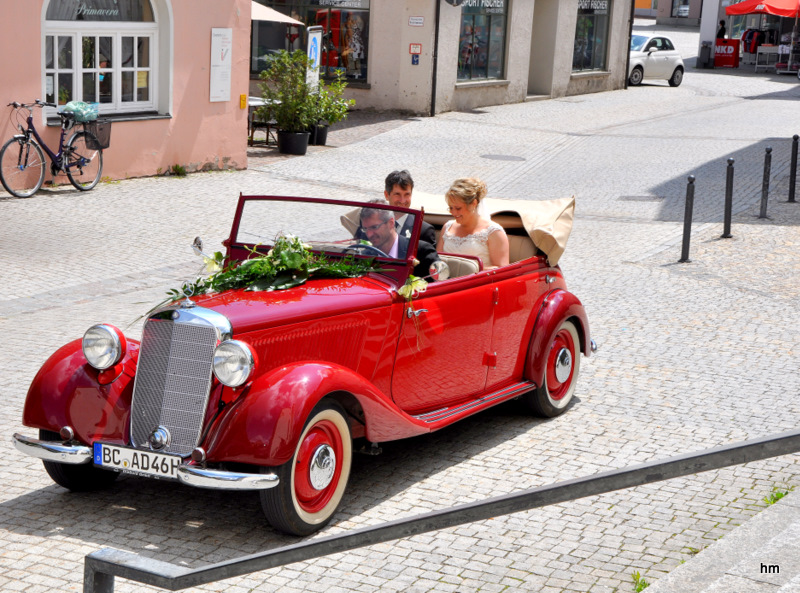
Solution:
(789, 8)
(786, 8)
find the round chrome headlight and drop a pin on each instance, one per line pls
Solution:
(233, 362)
(103, 346)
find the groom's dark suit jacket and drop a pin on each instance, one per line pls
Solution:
(426, 254)
(427, 233)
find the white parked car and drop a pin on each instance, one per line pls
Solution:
(654, 57)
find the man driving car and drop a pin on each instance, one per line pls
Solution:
(378, 227)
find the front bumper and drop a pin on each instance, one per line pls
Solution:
(188, 474)
(53, 450)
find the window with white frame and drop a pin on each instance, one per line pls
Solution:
(101, 51)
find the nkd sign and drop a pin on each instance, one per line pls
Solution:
(726, 53)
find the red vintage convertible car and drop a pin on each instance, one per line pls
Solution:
(260, 377)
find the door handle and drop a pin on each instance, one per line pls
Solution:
(414, 312)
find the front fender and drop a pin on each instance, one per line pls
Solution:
(263, 425)
(557, 307)
(66, 392)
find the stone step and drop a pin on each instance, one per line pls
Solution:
(793, 586)
(761, 556)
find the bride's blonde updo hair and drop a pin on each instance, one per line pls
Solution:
(469, 190)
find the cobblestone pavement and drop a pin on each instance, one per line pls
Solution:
(691, 355)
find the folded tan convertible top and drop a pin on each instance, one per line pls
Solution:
(547, 222)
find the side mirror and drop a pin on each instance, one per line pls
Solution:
(439, 270)
(652, 49)
(197, 246)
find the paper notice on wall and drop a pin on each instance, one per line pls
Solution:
(220, 70)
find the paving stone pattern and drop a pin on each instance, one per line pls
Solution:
(691, 355)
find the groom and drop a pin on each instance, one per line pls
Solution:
(399, 186)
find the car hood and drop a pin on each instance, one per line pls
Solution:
(252, 310)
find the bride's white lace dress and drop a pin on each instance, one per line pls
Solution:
(476, 244)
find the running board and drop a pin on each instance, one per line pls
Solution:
(475, 405)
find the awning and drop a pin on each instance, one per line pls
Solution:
(787, 8)
(259, 12)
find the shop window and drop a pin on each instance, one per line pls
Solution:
(482, 41)
(591, 35)
(345, 26)
(101, 52)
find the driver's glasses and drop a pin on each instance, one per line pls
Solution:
(374, 227)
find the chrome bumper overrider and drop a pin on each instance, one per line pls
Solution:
(188, 474)
(52, 450)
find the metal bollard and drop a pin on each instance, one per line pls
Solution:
(765, 183)
(793, 173)
(726, 230)
(687, 221)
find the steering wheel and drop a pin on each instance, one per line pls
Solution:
(364, 246)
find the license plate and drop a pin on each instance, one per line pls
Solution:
(134, 461)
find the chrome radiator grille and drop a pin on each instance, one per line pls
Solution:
(173, 382)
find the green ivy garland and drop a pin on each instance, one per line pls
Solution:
(288, 264)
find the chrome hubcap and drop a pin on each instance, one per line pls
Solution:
(563, 365)
(322, 467)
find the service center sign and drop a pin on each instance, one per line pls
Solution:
(726, 53)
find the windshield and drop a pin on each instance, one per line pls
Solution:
(369, 231)
(638, 41)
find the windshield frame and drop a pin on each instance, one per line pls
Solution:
(397, 269)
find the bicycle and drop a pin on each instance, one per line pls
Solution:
(22, 162)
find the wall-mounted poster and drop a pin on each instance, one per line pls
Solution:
(220, 71)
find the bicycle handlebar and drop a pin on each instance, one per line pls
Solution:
(36, 103)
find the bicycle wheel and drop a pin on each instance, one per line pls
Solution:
(22, 167)
(84, 164)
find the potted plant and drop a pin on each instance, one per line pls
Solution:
(328, 108)
(288, 99)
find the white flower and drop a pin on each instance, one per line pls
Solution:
(211, 265)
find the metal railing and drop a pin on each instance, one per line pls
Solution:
(103, 566)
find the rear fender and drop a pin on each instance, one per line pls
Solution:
(558, 306)
(66, 392)
(264, 423)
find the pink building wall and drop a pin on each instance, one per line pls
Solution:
(200, 135)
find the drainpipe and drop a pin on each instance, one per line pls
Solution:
(630, 37)
(435, 56)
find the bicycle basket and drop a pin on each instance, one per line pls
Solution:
(101, 130)
(82, 112)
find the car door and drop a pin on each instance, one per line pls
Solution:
(517, 290)
(444, 340)
(654, 62)
(672, 57)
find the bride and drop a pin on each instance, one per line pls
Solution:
(470, 233)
